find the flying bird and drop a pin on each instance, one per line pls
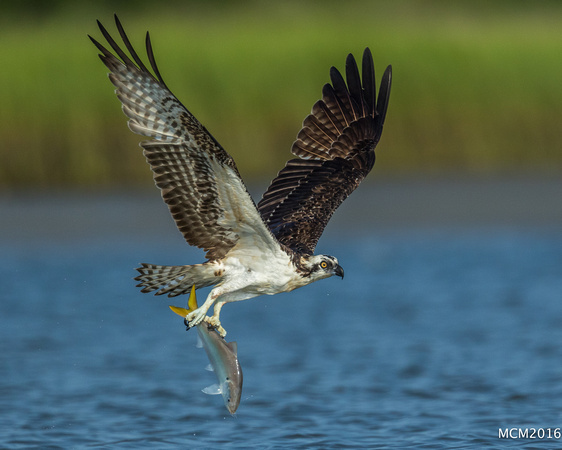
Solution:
(251, 250)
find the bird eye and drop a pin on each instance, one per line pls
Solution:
(323, 264)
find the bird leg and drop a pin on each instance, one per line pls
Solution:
(196, 316)
(214, 319)
(199, 315)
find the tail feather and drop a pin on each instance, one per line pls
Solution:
(175, 280)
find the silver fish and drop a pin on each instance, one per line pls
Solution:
(222, 356)
(225, 364)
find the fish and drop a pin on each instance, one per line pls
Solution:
(223, 357)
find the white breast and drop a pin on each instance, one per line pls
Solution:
(251, 273)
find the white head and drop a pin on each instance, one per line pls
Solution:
(318, 267)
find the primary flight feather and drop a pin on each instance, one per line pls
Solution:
(250, 250)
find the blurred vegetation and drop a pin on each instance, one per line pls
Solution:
(477, 85)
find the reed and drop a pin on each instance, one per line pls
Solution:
(472, 92)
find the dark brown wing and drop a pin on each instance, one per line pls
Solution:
(337, 149)
(198, 179)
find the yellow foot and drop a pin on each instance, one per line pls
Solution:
(215, 322)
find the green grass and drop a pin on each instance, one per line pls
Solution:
(474, 90)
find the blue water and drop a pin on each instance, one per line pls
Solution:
(436, 338)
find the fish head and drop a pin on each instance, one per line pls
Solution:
(231, 388)
(231, 393)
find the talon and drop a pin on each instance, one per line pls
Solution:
(221, 331)
(216, 324)
(195, 317)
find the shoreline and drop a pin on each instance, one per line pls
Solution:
(379, 204)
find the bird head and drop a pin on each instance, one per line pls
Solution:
(322, 266)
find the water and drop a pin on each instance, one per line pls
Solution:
(437, 337)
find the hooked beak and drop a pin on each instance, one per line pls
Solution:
(339, 271)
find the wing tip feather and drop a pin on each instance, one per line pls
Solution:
(293, 195)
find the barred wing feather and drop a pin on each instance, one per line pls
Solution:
(336, 151)
(198, 179)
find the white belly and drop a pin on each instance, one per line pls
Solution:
(256, 277)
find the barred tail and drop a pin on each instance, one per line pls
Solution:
(175, 280)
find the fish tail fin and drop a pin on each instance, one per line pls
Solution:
(180, 311)
(191, 304)
(175, 280)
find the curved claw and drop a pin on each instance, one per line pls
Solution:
(196, 317)
(215, 323)
(221, 331)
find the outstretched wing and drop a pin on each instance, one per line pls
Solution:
(336, 150)
(198, 179)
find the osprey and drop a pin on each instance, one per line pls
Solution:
(250, 250)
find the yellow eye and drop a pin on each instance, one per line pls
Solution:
(323, 264)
